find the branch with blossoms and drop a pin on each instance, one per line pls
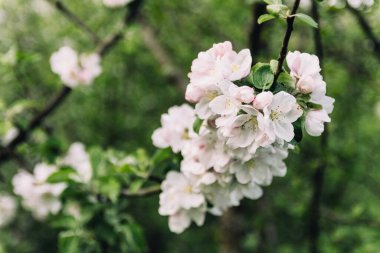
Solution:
(244, 122)
(74, 70)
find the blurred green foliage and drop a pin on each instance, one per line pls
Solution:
(123, 107)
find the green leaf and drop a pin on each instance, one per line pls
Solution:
(64, 174)
(273, 65)
(264, 18)
(68, 242)
(277, 9)
(285, 79)
(197, 125)
(64, 222)
(273, 1)
(263, 77)
(307, 19)
(315, 106)
(109, 187)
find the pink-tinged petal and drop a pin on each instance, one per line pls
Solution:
(223, 105)
(284, 130)
(294, 114)
(262, 100)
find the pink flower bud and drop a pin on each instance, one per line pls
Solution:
(245, 94)
(193, 93)
(305, 84)
(262, 100)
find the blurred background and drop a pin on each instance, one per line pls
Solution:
(145, 74)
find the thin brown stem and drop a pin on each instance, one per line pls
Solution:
(284, 48)
(367, 29)
(76, 21)
(144, 192)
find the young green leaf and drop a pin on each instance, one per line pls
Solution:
(307, 19)
(197, 125)
(277, 9)
(264, 18)
(285, 79)
(315, 106)
(263, 77)
(273, 65)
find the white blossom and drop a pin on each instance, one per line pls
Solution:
(281, 113)
(75, 69)
(39, 196)
(182, 202)
(177, 128)
(78, 159)
(8, 207)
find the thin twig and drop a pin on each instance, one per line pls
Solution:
(318, 177)
(367, 29)
(130, 17)
(284, 48)
(7, 151)
(144, 192)
(334, 217)
(170, 70)
(76, 20)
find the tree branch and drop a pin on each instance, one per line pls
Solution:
(368, 31)
(7, 151)
(130, 17)
(284, 49)
(168, 67)
(144, 192)
(255, 41)
(75, 20)
(318, 177)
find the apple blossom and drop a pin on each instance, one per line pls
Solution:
(78, 159)
(39, 196)
(244, 136)
(75, 69)
(281, 113)
(177, 128)
(8, 207)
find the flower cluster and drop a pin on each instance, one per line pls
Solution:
(116, 3)
(75, 69)
(237, 137)
(7, 209)
(42, 197)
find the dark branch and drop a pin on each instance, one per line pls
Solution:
(318, 177)
(256, 43)
(77, 21)
(284, 49)
(130, 17)
(368, 31)
(23, 134)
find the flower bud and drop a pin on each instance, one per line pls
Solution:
(245, 94)
(305, 84)
(262, 100)
(193, 93)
